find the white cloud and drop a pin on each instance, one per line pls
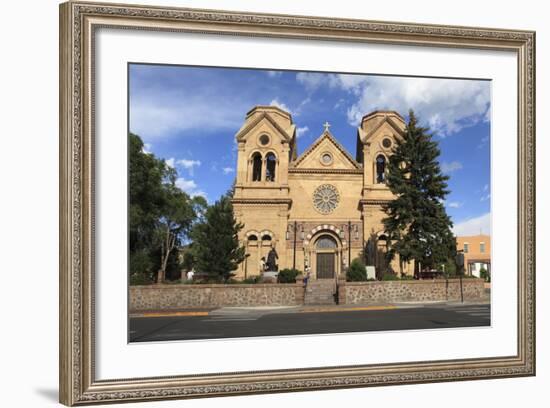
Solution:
(298, 110)
(170, 162)
(277, 103)
(161, 113)
(446, 105)
(311, 80)
(227, 170)
(340, 103)
(190, 187)
(450, 167)
(454, 204)
(147, 147)
(474, 226)
(483, 142)
(188, 164)
(301, 131)
(486, 187)
(485, 197)
(274, 74)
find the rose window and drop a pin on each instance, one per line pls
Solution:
(326, 198)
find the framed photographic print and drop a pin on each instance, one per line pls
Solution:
(256, 203)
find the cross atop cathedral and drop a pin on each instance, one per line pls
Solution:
(326, 125)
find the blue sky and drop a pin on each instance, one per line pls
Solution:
(189, 117)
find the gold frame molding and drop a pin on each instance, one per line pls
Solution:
(78, 22)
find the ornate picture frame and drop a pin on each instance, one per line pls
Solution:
(78, 24)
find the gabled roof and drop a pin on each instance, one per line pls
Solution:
(364, 136)
(326, 135)
(248, 126)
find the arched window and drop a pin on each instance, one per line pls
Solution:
(256, 167)
(266, 237)
(252, 238)
(380, 169)
(326, 242)
(271, 164)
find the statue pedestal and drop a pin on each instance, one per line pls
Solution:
(371, 272)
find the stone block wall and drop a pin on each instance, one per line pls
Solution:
(182, 296)
(410, 291)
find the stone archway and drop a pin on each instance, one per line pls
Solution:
(325, 253)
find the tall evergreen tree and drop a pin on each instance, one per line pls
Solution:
(417, 225)
(216, 248)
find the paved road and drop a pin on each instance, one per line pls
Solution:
(252, 323)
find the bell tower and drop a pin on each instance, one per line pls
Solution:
(266, 145)
(376, 138)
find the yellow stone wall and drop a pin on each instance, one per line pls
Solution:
(271, 209)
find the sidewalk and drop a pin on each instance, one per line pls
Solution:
(264, 310)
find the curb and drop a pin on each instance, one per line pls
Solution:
(169, 314)
(346, 309)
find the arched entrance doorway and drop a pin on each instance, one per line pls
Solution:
(326, 257)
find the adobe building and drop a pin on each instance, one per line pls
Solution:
(477, 253)
(321, 209)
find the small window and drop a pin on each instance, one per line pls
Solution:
(264, 140)
(386, 143)
(465, 248)
(256, 167)
(271, 164)
(326, 242)
(326, 158)
(252, 238)
(380, 169)
(266, 237)
(482, 247)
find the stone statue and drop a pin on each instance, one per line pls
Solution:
(370, 250)
(272, 260)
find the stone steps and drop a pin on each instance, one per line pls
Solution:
(320, 292)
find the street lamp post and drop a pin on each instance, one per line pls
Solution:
(246, 265)
(460, 266)
(294, 250)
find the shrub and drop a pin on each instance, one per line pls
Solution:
(141, 268)
(288, 275)
(139, 280)
(357, 271)
(252, 279)
(390, 277)
(484, 274)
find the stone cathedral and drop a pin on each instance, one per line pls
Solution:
(318, 210)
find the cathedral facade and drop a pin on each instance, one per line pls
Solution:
(321, 209)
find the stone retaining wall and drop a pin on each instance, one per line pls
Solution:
(185, 296)
(410, 291)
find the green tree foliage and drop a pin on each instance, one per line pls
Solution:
(160, 215)
(179, 211)
(484, 274)
(357, 271)
(450, 268)
(216, 248)
(417, 225)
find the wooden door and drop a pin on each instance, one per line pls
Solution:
(325, 265)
